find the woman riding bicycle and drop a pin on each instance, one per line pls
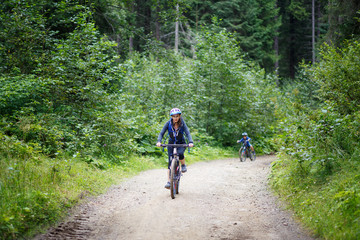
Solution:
(246, 139)
(176, 128)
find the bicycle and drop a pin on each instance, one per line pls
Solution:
(175, 171)
(245, 152)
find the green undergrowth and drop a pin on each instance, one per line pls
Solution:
(330, 206)
(37, 191)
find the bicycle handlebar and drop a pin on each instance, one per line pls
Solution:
(174, 145)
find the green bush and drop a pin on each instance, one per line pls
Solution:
(317, 173)
(337, 74)
(22, 92)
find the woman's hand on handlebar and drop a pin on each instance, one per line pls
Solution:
(191, 144)
(158, 144)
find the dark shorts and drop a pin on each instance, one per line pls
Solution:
(180, 151)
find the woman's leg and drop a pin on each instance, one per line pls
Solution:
(183, 165)
(182, 161)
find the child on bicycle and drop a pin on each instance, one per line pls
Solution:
(246, 139)
(176, 128)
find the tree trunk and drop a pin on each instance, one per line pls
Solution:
(318, 17)
(131, 44)
(131, 39)
(177, 29)
(329, 32)
(157, 25)
(276, 48)
(313, 30)
(197, 18)
(292, 57)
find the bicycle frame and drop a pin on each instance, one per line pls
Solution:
(175, 173)
(246, 149)
(245, 152)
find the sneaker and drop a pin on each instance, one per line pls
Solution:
(167, 186)
(183, 168)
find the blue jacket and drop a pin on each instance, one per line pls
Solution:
(247, 139)
(180, 138)
(242, 139)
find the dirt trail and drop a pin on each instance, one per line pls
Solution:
(223, 199)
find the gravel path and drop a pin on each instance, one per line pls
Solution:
(223, 199)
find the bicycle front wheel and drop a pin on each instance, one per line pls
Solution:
(173, 181)
(242, 154)
(177, 186)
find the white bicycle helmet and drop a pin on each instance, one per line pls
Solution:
(175, 111)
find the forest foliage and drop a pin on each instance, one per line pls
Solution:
(68, 99)
(85, 87)
(319, 159)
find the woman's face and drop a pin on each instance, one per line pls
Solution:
(175, 118)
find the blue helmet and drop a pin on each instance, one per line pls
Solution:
(244, 134)
(175, 111)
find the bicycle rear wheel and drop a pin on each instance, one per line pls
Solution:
(252, 155)
(173, 180)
